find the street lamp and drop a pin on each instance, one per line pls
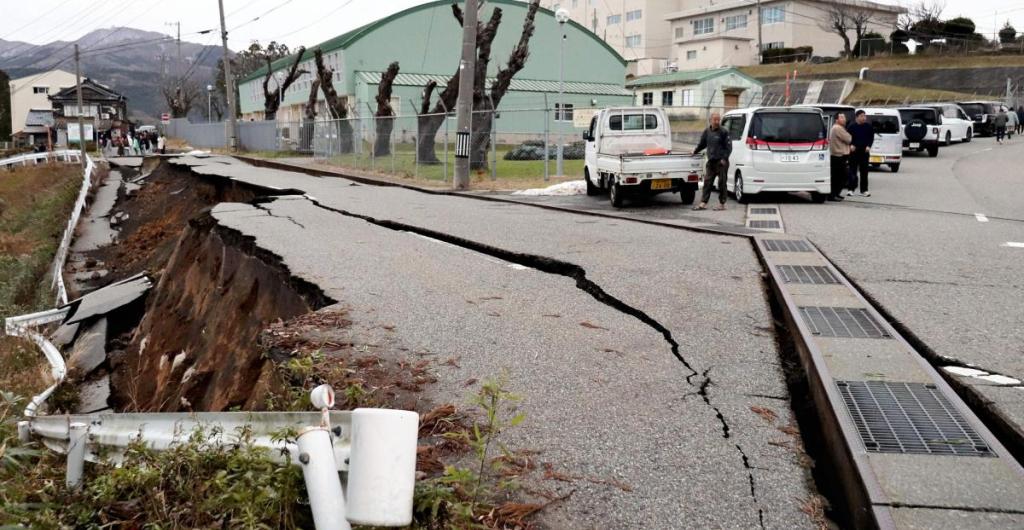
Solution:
(209, 103)
(279, 76)
(562, 16)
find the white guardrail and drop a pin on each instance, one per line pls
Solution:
(64, 155)
(375, 447)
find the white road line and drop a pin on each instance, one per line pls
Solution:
(1013, 244)
(981, 217)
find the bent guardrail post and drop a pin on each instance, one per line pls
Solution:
(78, 435)
(326, 499)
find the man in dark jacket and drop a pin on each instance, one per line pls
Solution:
(863, 135)
(716, 140)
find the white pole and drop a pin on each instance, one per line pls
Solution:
(382, 467)
(326, 500)
(77, 433)
(561, 99)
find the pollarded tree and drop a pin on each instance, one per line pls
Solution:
(336, 105)
(1008, 34)
(430, 119)
(309, 116)
(272, 98)
(180, 95)
(841, 18)
(385, 116)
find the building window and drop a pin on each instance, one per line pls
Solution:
(648, 98)
(735, 22)
(40, 90)
(633, 41)
(563, 112)
(703, 26)
(772, 15)
(614, 19)
(691, 55)
(666, 98)
(687, 98)
(774, 45)
(633, 15)
(680, 33)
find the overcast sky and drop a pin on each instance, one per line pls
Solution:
(295, 22)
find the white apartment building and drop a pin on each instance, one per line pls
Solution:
(708, 34)
(32, 93)
(637, 29)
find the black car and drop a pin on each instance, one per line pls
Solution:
(921, 129)
(982, 113)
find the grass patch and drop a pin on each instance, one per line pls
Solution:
(900, 62)
(402, 166)
(870, 93)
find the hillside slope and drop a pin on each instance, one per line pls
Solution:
(130, 61)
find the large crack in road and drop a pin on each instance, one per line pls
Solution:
(579, 275)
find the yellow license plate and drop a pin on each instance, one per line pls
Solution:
(876, 160)
(661, 184)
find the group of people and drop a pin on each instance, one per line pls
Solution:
(850, 149)
(1006, 122)
(143, 143)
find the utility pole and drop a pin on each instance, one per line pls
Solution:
(229, 83)
(81, 127)
(464, 107)
(760, 45)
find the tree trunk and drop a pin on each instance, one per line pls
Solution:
(426, 135)
(480, 141)
(385, 117)
(337, 105)
(309, 115)
(272, 100)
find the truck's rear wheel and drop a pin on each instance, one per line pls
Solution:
(591, 188)
(687, 194)
(616, 195)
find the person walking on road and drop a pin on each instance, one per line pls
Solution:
(999, 122)
(1020, 119)
(863, 137)
(716, 140)
(160, 144)
(839, 142)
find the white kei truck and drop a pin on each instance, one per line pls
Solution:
(629, 154)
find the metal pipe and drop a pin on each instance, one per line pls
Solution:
(547, 126)
(319, 470)
(560, 112)
(382, 467)
(77, 435)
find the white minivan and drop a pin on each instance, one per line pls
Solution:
(888, 145)
(777, 149)
(956, 124)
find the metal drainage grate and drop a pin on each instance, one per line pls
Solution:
(763, 211)
(910, 418)
(786, 245)
(763, 224)
(815, 274)
(848, 322)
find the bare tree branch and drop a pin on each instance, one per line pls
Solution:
(272, 99)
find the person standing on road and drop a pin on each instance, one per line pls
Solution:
(160, 144)
(839, 142)
(863, 137)
(1011, 123)
(716, 140)
(999, 122)
(1020, 119)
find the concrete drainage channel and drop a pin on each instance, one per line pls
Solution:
(907, 450)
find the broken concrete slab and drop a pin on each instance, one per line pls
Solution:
(109, 298)
(94, 395)
(64, 335)
(89, 350)
(95, 227)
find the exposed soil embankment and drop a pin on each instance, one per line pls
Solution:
(195, 348)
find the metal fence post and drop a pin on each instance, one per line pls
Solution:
(373, 137)
(416, 142)
(547, 125)
(326, 500)
(494, 140)
(391, 140)
(445, 179)
(77, 435)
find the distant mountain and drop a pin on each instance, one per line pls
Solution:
(134, 65)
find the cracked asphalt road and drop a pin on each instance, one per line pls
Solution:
(605, 395)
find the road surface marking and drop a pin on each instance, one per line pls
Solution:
(981, 217)
(1013, 244)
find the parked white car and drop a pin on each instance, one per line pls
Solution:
(956, 126)
(888, 146)
(922, 128)
(629, 153)
(778, 149)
